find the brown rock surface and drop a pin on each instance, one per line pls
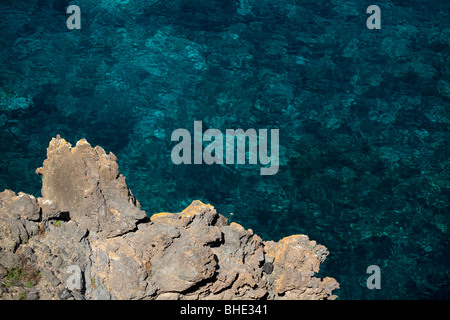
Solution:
(88, 218)
(85, 182)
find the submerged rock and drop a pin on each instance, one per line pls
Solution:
(89, 219)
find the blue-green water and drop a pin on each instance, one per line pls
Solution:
(363, 115)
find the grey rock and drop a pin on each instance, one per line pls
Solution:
(3, 290)
(31, 228)
(50, 277)
(16, 213)
(77, 295)
(65, 294)
(268, 267)
(32, 294)
(9, 260)
(3, 272)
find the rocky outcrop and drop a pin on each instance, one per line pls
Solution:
(88, 221)
(85, 182)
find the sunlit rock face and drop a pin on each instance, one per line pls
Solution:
(89, 221)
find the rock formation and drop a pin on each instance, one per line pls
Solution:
(88, 219)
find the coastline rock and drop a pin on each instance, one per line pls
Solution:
(89, 219)
(85, 182)
(18, 213)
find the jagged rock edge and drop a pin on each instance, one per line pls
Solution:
(276, 285)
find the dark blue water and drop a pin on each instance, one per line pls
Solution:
(363, 115)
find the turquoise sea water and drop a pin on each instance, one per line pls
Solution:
(363, 117)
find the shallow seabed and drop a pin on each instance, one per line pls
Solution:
(363, 115)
